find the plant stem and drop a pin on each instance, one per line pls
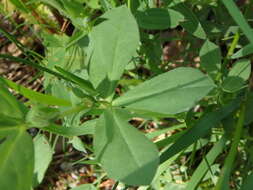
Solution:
(129, 4)
(233, 45)
(55, 141)
(229, 54)
(226, 170)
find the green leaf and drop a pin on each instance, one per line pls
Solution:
(35, 96)
(191, 23)
(246, 50)
(200, 129)
(114, 42)
(210, 57)
(86, 128)
(85, 187)
(173, 92)
(117, 143)
(20, 5)
(17, 158)
(41, 116)
(84, 84)
(73, 8)
(78, 144)
(54, 3)
(236, 14)
(237, 76)
(248, 183)
(205, 163)
(158, 18)
(9, 104)
(43, 157)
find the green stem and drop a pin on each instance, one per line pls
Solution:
(233, 45)
(129, 4)
(55, 141)
(229, 54)
(223, 182)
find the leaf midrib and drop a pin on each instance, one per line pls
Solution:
(133, 100)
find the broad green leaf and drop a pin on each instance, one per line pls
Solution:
(36, 96)
(241, 69)
(237, 76)
(173, 92)
(200, 129)
(236, 14)
(191, 23)
(117, 143)
(205, 163)
(114, 42)
(158, 18)
(210, 57)
(86, 128)
(10, 106)
(43, 156)
(41, 116)
(246, 50)
(17, 158)
(85, 187)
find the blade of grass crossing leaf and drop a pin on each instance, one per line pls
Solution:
(200, 129)
(86, 85)
(36, 96)
(236, 14)
(85, 129)
(163, 131)
(205, 163)
(35, 65)
(12, 39)
(223, 182)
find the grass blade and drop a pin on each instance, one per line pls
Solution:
(201, 128)
(205, 163)
(238, 17)
(36, 96)
(223, 182)
(86, 85)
